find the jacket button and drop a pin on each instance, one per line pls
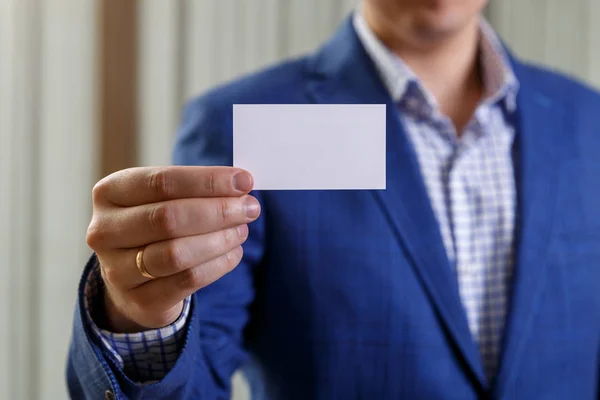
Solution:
(108, 395)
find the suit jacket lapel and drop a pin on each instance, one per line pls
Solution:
(341, 73)
(541, 152)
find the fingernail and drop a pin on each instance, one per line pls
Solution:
(251, 207)
(242, 181)
(242, 231)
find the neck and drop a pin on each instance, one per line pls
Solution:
(448, 68)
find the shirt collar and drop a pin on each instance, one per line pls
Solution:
(498, 77)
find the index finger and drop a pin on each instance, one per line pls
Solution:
(146, 185)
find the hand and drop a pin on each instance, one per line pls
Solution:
(190, 223)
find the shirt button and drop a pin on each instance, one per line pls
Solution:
(108, 395)
(412, 103)
(483, 115)
(469, 270)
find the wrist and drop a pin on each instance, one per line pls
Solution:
(117, 321)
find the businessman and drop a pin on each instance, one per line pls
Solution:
(476, 274)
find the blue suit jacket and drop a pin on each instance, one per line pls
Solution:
(349, 294)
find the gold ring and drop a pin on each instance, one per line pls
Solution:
(139, 262)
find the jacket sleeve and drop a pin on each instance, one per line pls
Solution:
(145, 356)
(213, 346)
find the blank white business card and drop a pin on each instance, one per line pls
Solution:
(311, 146)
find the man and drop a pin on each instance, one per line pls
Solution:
(476, 274)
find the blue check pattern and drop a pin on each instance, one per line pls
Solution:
(469, 178)
(146, 356)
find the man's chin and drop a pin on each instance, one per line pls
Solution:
(435, 28)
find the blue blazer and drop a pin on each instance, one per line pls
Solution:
(350, 295)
